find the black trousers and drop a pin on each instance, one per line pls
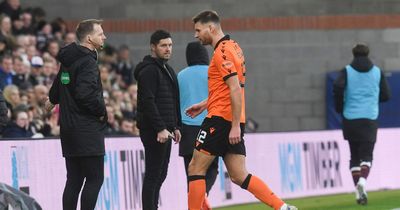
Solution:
(156, 168)
(89, 169)
(361, 151)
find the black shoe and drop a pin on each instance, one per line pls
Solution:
(363, 200)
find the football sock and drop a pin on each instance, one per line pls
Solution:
(197, 192)
(261, 191)
(355, 173)
(364, 170)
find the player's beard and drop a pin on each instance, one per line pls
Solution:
(163, 56)
(206, 40)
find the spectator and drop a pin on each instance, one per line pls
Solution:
(31, 52)
(6, 71)
(3, 46)
(36, 78)
(105, 77)
(59, 28)
(109, 56)
(17, 27)
(22, 41)
(38, 15)
(6, 32)
(51, 127)
(127, 127)
(43, 35)
(19, 127)
(27, 26)
(113, 126)
(40, 93)
(11, 8)
(48, 74)
(12, 97)
(53, 47)
(20, 78)
(118, 98)
(69, 38)
(125, 67)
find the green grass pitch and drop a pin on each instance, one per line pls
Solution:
(379, 200)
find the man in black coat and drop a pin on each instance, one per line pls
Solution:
(83, 116)
(158, 114)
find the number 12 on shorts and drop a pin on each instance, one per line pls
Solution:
(201, 136)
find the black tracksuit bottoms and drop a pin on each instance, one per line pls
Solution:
(89, 169)
(156, 168)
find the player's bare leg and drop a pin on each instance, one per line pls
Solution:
(197, 184)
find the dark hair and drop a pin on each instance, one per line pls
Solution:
(5, 56)
(56, 25)
(206, 16)
(196, 54)
(360, 50)
(86, 27)
(158, 35)
(123, 47)
(41, 24)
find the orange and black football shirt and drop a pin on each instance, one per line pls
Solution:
(228, 60)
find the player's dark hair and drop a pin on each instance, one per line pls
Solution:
(158, 35)
(360, 50)
(206, 17)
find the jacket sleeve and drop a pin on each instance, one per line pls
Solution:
(87, 93)
(3, 112)
(339, 86)
(178, 103)
(54, 92)
(384, 93)
(147, 86)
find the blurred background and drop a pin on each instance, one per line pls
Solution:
(289, 45)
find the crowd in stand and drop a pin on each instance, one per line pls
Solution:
(28, 49)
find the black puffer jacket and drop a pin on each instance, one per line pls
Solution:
(78, 90)
(158, 96)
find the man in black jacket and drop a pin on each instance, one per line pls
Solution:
(83, 116)
(158, 114)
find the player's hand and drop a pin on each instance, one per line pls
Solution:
(163, 136)
(194, 110)
(178, 136)
(235, 135)
(48, 105)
